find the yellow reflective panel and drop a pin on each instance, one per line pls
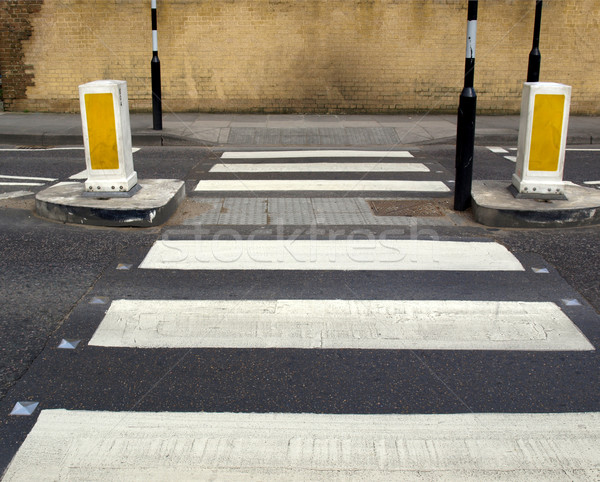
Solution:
(102, 132)
(546, 132)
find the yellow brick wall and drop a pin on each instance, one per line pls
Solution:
(320, 56)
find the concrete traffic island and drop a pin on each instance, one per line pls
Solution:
(152, 205)
(494, 205)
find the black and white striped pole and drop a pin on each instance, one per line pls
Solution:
(155, 70)
(535, 57)
(465, 131)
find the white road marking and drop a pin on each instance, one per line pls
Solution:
(74, 445)
(339, 324)
(343, 255)
(254, 185)
(21, 184)
(314, 153)
(28, 178)
(582, 150)
(322, 167)
(497, 150)
(80, 175)
(15, 194)
(592, 183)
(511, 158)
(81, 148)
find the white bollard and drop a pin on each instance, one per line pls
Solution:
(107, 137)
(542, 141)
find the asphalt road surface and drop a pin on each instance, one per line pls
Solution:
(274, 335)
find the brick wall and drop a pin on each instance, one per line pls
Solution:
(320, 56)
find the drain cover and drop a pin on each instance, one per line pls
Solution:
(415, 207)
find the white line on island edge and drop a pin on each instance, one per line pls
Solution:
(313, 153)
(28, 178)
(21, 184)
(322, 167)
(344, 255)
(339, 324)
(302, 446)
(269, 185)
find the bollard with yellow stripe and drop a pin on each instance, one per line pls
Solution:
(107, 138)
(542, 141)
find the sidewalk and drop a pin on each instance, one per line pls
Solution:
(44, 129)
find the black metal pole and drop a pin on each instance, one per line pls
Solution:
(155, 72)
(465, 132)
(535, 57)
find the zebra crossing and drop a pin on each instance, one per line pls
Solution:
(290, 358)
(322, 174)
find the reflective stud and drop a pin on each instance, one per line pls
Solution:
(571, 302)
(99, 300)
(124, 266)
(66, 344)
(540, 270)
(24, 409)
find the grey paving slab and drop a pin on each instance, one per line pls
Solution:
(244, 211)
(291, 211)
(340, 218)
(335, 205)
(292, 136)
(209, 217)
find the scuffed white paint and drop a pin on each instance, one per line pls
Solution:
(76, 445)
(327, 254)
(357, 324)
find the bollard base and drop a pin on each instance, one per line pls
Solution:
(533, 195)
(154, 203)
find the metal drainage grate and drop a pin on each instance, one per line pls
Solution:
(416, 207)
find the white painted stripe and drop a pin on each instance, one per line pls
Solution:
(357, 254)
(322, 167)
(77, 148)
(315, 153)
(511, 158)
(582, 150)
(27, 178)
(21, 184)
(154, 41)
(15, 194)
(339, 324)
(255, 185)
(76, 445)
(471, 39)
(80, 175)
(592, 183)
(497, 150)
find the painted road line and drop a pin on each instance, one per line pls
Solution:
(144, 446)
(591, 183)
(339, 324)
(80, 175)
(574, 149)
(21, 184)
(15, 194)
(256, 185)
(28, 178)
(134, 149)
(322, 167)
(339, 255)
(497, 150)
(511, 158)
(314, 153)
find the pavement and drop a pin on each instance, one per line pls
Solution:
(46, 129)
